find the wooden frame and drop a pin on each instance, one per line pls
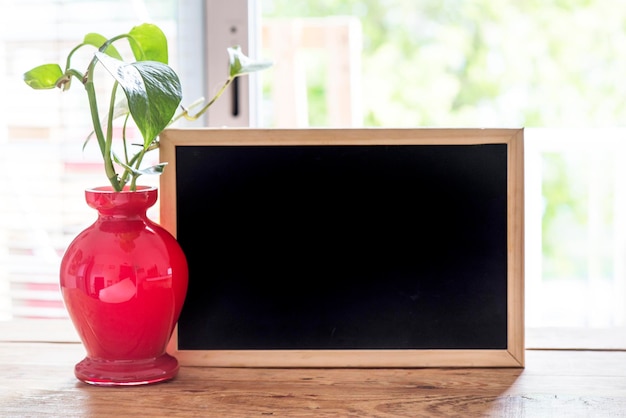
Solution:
(512, 356)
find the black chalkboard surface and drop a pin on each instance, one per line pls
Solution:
(313, 243)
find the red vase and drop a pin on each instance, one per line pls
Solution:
(124, 281)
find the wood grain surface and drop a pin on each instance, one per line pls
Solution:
(38, 381)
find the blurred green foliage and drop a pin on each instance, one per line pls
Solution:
(482, 62)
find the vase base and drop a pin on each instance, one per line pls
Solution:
(126, 372)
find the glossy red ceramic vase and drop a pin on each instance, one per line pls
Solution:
(124, 281)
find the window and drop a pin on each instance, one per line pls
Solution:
(41, 201)
(41, 152)
(392, 63)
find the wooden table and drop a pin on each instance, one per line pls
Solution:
(38, 381)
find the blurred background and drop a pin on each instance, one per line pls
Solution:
(555, 68)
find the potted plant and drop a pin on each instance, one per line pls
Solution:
(124, 278)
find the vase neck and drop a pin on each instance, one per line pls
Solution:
(125, 203)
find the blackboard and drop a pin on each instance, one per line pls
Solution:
(340, 248)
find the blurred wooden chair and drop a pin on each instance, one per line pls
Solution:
(339, 38)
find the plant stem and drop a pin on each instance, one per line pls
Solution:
(126, 173)
(108, 146)
(95, 117)
(186, 114)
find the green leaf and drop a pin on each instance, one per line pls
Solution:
(98, 40)
(241, 64)
(155, 169)
(152, 170)
(152, 89)
(44, 76)
(148, 43)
